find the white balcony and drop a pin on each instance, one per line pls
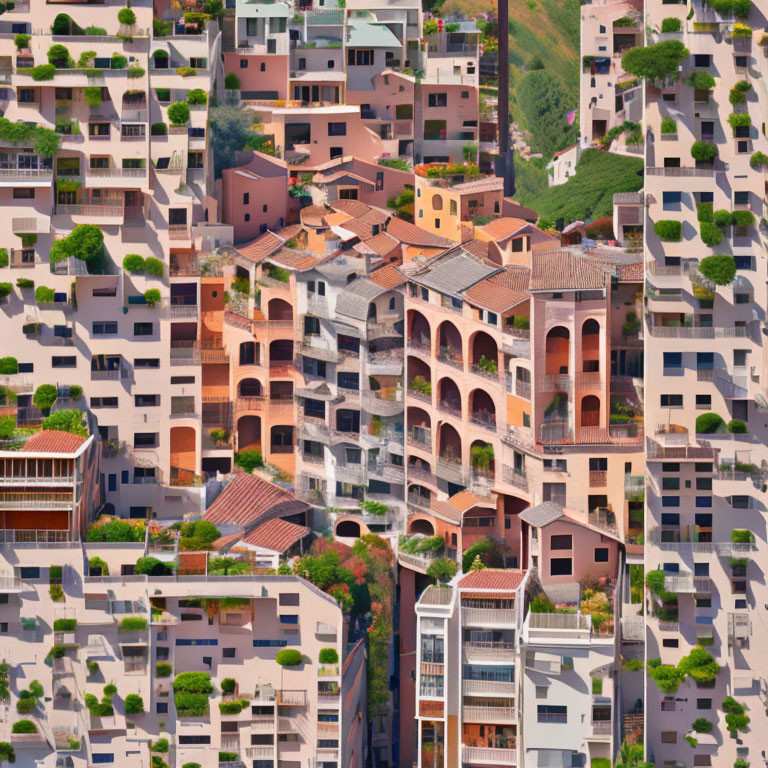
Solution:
(489, 756)
(488, 714)
(27, 177)
(488, 617)
(487, 688)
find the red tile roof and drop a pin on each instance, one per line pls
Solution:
(53, 441)
(353, 208)
(312, 216)
(277, 535)
(562, 270)
(413, 235)
(454, 508)
(631, 273)
(387, 277)
(248, 500)
(501, 229)
(500, 292)
(492, 578)
(261, 247)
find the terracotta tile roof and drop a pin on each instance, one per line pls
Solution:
(192, 562)
(248, 500)
(387, 277)
(413, 235)
(493, 578)
(261, 247)
(501, 229)
(313, 216)
(374, 216)
(563, 270)
(277, 535)
(487, 184)
(359, 227)
(294, 259)
(53, 441)
(478, 248)
(224, 542)
(466, 233)
(290, 231)
(500, 292)
(631, 273)
(436, 595)
(382, 244)
(563, 151)
(319, 178)
(353, 208)
(337, 218)
(457, 505)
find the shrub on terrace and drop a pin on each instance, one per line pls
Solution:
(153, 266)
(44, 397)
(709, 423)
(198, 536)
(668, 229)
(126, 17)
(710, 233)
(737, 427)
(232, 82)
(289, 657)
(178, 113)
(228, 685)
(670, 24)
(703, 151)
(655, 62)
(67, 421)
(163, 669)
(24, 726)
(328, 656)
(700, 80)
(249, 460)
(161, 745)
(442, 570)
(64, 625)
(152, 566)
(152, 297)
(132, 624)
(197, 97)
(720, 269)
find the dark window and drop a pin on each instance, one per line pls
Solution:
(104, 402)
(437, 100)
(147, 362)
(23, 193)
(548, 713)
(104, 327)
(182, 379)
(145, 439)
(228, 653)
(337, 129)
(601, 554)
(142, 329)
(670, 642)
(671, 401)
(62, 361)
(560, 566)
(147, 401)
(561, 542)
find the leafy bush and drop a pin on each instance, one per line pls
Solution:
(161, 745)
(740, 120)
(249, 460)
(442, 570)
(191, 704)
(666, 676)
(58, 55)
(56, 592)
(738, 94)
(228, 685)
(710, 233)
(24, 726)
(67, 421)
(152, 297)
(163, 669)
(632, 665)
(132, 624)
(737, 427)
(153, 266)
(703, 151)
(655, 62)
(24, 282)
(126, 17)
(289, 657)
(110, 690)
(198, 536)
(25, 706)
(193, 682)
(158, 129)
(93, 667)
(668, 229)
(758, 160)
(701, 725)
(670, 24)
(186, 71)
(44, 294)
(58, 651)
(328, 656)
(394, 162)
(115, 530)
(699, 664)
(197, 97)
(232, 82)
(45, 396)
(709, 423)
(92, 95)
(743, 218)
(720, 269)
(64, 625)
(668, 125)
(75, 391)
(151, 566)
(21, 41)
(228, 757)
(178, 113)
(85, 242)
(700, 80)
(118, 61)
(233, 707)
(163, 95)
(135, 72)
(43, 72)
(7, 752)
(8, 365)
(6, 289)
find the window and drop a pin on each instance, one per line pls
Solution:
(671, 201)
(147, 401)
(560, 566)
(103, 402)
(740, 502)
(161, 708)
(194, 738)
(142, 329)
(670, 483)
(62, 361)
(229, 653)
(741, 198)
(243, 63)
(145, 439)
(360, 57)
(105, 292)
(670, 642)
(29, 572)
(548, 713)
(669, 737)
(104, 327)
(561, 542)
(337, 129)
(148, 362)
(671, 401)
(673, 360)
(102, 757)
(26, 96)
(437, 100)
(601, 554)
(670, 501)
(23, 193)
(703, 703)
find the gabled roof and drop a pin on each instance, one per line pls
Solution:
(277, 535)
(502, 291)
(453, 273)
(248, 501)
(542, 514)
(505, 227)
(381, 244)
(454, 508)
(53, 441)
(354, 300)
(493, 578)
(261, 247)
(353, 208)
(387, 277)
(564, 270)
(413, 235)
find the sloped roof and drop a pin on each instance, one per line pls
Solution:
(477, 248)
(53, 441)
(487, 184)
(453, 508)
(319, 178)
(493, 578)
(387, 277)
(542, 514)
(353, 301)
(248, 500)
(453, 273)
(276, 534)
(362, 34)
(413, 235)
(353, 208)
(287, 257)
(261, 247)
(500, 292)
(501, 229)
(436, 595)
(563, 270)
(313, 216)
(381, 244)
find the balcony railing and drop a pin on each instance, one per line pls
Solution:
(489, 755)
(479, 652)
(488, 616)
(488, 687)
(488, 714)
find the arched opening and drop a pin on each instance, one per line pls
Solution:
(450, 444)
(281, 351)
(437, 202)
(249, 353)
(249, 433)
(250, 388)
(482, 459)
(557, 351)
(419, 379)
(279, 309)
(423, 527)
(418, 496)
(419, 427)
(449, 398)
(449, 344)
(485, 355)
(281, 439)
(348, 529)
(590, 411)
(482, 409)
(590, 346)
(372, 312)
(419, 334)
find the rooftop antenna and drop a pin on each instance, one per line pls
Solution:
(504, 163)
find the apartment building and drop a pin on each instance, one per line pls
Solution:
(363, 79)
(117, 114)
(179, 669)
(609, 97)
(705, 541)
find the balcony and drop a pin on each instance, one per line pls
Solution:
(559, 626)
(476, 652)
(487, 688)
(556, 383)
(489, 756)
(488, 714)
(450, 469)
(27, 177)
(488, 617)
(176, 309)
(517, 343)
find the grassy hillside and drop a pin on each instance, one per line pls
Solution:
(544, 69)
(587, 195)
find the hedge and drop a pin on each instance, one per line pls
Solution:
(668, 229)
(134, 704)
(720, 269)
(289, 657)
(163, 669)
(670, 24)
(233, 707)
(193, 682)
(710, 233)
(708, 423)
(703, 151)
(132, 624)
(64, 625)
(737, 427)
(153, 266)
(24, 726)
(328, 656)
